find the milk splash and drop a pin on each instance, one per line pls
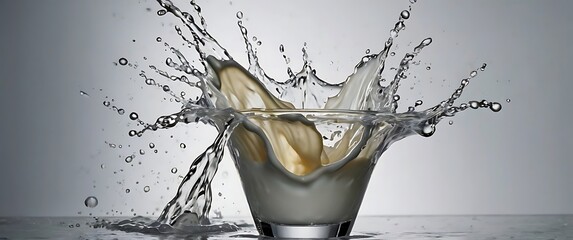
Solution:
(229, 92)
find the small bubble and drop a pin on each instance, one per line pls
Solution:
(174, 170)
(129, 158)
(494, 106)
(405, 14)
(141, 151)
(508, 100)
(166, 88)
(132, 133)
(146, 189)
(77, 225)
(182, 145)
(106, 103)
(121, 111)
(161, 12)
(91, 202)
(240, 15)
(123, 61)
(127, 190)
(133, 116)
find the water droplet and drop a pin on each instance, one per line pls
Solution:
(494, 106)
(240, 15)
(413, 1)
(132, 133)
(161, 12)
(405, 14)
(483, 66)
(91, 202)
(123, 61)
(151, 145)
(473, 73)
(121, 111)
(146, 189)
(508, 100)
(158, 39)
(129, 158)
(102, 166)
(82, 93)
(77, 225)
(259, 43)
(281, 48)
(418, 103)
(396, 97)
(133, 116)
(141, 151)
(166, 88)
(149, 81)
(428, 130)
(428, 68)
(220, 194)
(106, 103)
(182, 145)
(465, 82)
(474, 104)
(367, 51)
(127, 190)
(451, 122)
(392, 53)
(174, 170)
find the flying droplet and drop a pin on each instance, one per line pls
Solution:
(121, 111)
(127, 190)
(129, 158)
(82, 93)
(146, 189)
(428, 68)
(405, 14)
(483, 66)
(418, 103)
(451, 122)
(367, 51)
(161, 12)
(220, 194)
(141, 151)
(495, 106)
(106, 103)
(240, 15)
(133, 116)
(182, 145)
(166, 88)
(174, 170)
(428, 130)
(508, 100)
(396, 97)
(91, 202)
(123, 61)
(102, 166)
(281, 48)
(132, 133)
(151, 145)
(473, 73)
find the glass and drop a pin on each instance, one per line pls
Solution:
(323, 202)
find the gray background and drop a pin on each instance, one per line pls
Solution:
(53, 140)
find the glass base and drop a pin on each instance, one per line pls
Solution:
(302, 231)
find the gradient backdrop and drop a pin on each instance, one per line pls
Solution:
(54, 140)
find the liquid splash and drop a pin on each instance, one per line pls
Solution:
(229, 92)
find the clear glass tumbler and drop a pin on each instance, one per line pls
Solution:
(305, 172)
